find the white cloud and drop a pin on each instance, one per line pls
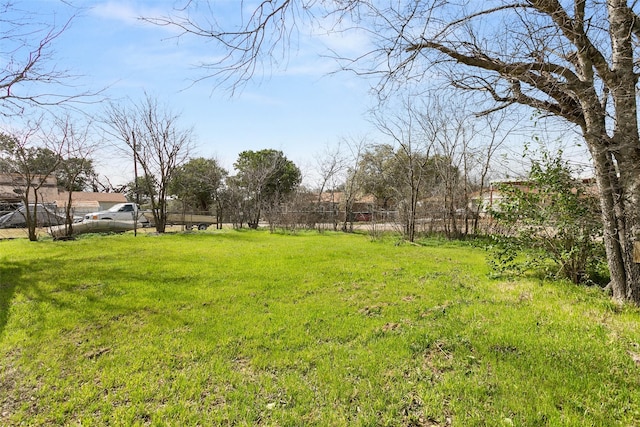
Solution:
(257, 98)
(111, 10)
(351, 42)
(343, 36)
(125, 12)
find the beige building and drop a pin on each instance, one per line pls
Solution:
(83, 202)
(490, 198)
(12, 186)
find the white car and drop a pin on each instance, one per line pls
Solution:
(119, 212)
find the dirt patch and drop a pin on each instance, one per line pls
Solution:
(14, 393)
(17, 233)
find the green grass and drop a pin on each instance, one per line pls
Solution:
(250, 328)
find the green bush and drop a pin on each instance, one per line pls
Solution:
(551, 224)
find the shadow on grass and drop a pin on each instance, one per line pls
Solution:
(19, 276)
(32, 280)
(9, 279)
(22, 278)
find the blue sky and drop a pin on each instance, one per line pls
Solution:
(298, 108)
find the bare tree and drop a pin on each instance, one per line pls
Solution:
(352, 187)
(258, 41)
(235, 202)
(558, 62)
(31, 159)
(447, 124)
(198, 184)
(439, 155)
(410, 160)
(150, 134)
(330, 165)
(75, 170)
(104, 185)
(267, 179)
(493, 132)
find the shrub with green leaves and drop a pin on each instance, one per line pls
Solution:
(550, 222)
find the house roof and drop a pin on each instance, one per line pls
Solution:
(493, 192)
(9, 182)
(82, 196)
(16, 179)
(50, 193)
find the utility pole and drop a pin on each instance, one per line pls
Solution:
(135, 185)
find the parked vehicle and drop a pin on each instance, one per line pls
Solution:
(120, 217)
(46, 216)
(360, 216)
(119, 212)
(191, 220)
(128, 211)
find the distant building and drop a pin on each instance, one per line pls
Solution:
(84, 202)
(12, 187)
(491, 197)
(329, 206)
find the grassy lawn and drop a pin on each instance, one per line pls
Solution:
(249, 328)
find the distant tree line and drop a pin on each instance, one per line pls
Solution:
(264, 183)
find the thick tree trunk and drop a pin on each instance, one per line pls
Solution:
(628, 212)
(620, 205)
(609, 192)
(31, 216)
(625, 146)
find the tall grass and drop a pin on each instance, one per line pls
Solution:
(251, 328)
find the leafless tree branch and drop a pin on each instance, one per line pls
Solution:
(29, 76)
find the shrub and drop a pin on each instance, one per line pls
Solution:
(552, 224)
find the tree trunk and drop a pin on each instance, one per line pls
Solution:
(625, 147)
(619, 221)
(68, 217)
(160, 221)
(31, 217)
